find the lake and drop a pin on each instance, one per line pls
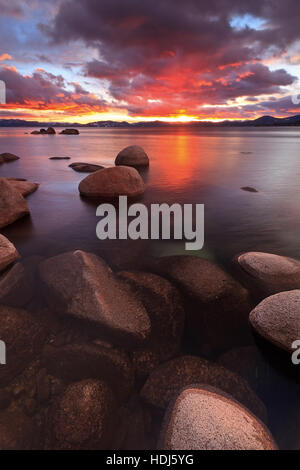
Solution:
(206, 166)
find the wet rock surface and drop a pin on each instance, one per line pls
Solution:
(207, 419)
(82, 361)
(134, 156)
(23, 337)
(23, 187)
(217, 306)
(17, 284)
(85, 167)
(83, 286)
(277, 319)
(267, 273)
(84, 416)
(164, 307)
(7, 157)
(112, 182)
(12, 204)
(164, 383)
(8, 253)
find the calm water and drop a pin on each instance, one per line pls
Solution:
(187, 166)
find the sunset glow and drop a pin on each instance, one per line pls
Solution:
(137, 61)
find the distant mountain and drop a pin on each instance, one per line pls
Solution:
(264, 121)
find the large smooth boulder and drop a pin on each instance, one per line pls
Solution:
(217, 306)
(8, 157)
(85, 167)
(84, 417)
(23, 336)
(70, 132)
(8, 253)
(113, 182)
(82, 361)
(204, 418)
(23, 187)
(277, 319)
(83, 286)
(267, 273)
(164, 383)
(12, 204)
(164, 306)
(133, 156)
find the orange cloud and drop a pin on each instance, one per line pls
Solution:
(5, 57)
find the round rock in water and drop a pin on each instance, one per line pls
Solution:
(9, 157)
(110, 183)
(277, 319)
(8, 253)
(207, 419)
(132, 156)
(270, 273)
(12, 204)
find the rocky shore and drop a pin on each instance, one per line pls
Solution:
(169, 356)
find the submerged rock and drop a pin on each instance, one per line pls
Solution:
(217, 307)
(85, 167)
(164, 306)
(17, 285)
(17, 431)
(277, 319)
(84, 417)
(82, 285)
(110, 183)
(133, 156)
(249, 189)
(12, 204)
(59, 158)
(8, 157)
(23, 337)
(165, 382)
(204, 418)
(70, 132)
(268, 273)
(8, 253)
(82, 361)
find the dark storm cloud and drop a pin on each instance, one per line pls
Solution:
(178, 52)
(43, 90)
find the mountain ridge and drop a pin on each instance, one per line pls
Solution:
(263, 121)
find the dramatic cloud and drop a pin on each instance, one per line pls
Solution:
(168, 58)
(45, 91)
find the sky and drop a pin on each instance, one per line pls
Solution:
(90, 60)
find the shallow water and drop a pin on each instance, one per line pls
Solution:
(206, 166)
